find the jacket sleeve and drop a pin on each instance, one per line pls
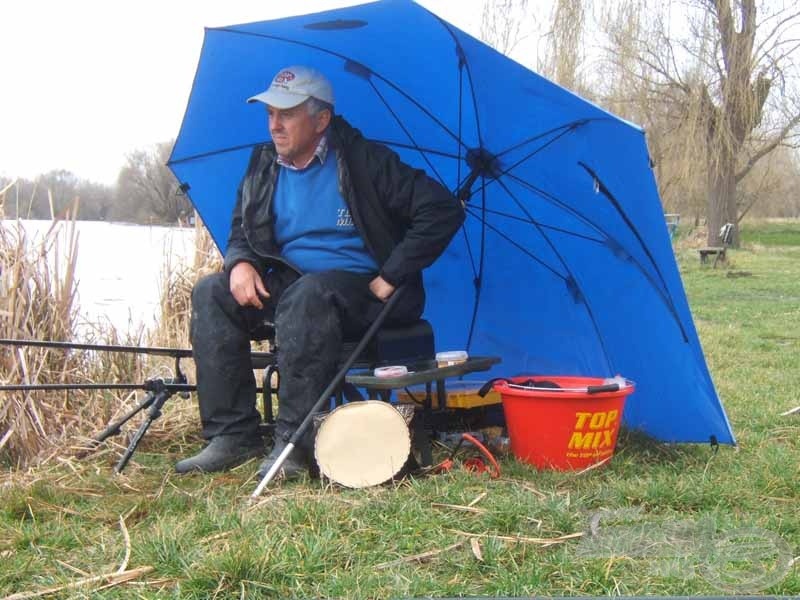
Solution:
(238, 249)
(430, 214)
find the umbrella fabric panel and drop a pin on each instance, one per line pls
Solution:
(525, 311)
(530, 319)
(233, 52)
(211, 122)
(214, 183)
(646, 344)
(665, 357)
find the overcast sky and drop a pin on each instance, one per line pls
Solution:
(86, 81)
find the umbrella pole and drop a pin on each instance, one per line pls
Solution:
(325, 396)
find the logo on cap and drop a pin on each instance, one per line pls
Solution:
(284, 77)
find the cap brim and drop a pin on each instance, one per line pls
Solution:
(279, 99)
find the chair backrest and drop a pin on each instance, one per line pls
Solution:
(726, 234)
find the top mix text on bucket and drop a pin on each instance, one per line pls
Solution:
(593, 431)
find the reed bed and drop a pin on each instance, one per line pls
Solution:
(38, 301)
(177, 282)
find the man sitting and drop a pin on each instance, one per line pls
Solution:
(327, 225)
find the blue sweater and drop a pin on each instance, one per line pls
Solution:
(313, 226)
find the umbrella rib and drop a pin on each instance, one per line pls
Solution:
(478, 281)
(566, 268)
(415, 146)
(537, 150)
(462, 62)
(421, 149)
(560, 204)
(546, 226)
(519, 247)
(469, 251)
(566, 127)
(396, 88)
(460, 116)
(618, 207)
(175, 161)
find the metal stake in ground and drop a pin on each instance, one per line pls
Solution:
(325, 396)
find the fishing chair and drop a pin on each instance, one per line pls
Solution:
(392, 344)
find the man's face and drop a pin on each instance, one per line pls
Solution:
(295, 132)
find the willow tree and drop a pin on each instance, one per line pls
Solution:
(733, 73)
(565, 44)
(752, 59)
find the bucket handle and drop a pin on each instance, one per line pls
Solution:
(544, 385)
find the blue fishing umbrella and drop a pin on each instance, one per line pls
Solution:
(564, 265)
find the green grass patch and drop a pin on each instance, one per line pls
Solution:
(780, 233)
(677, 516)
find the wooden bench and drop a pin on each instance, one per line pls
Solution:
(718, 252)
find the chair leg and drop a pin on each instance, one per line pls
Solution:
(267, 391)
(421, 440)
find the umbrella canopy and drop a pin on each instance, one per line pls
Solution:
(564, 265)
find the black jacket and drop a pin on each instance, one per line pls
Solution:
(405, 218)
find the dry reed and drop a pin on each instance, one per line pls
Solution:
(38, 301)
(177, 282)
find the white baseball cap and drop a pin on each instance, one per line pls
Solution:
(293, 86)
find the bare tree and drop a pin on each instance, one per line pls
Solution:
(734, 81)
(629, 85)
(505, 23)
(96, 201)
(59, 189)
(145, 182)
(772, 187)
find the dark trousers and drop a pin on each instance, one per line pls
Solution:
(313, 315)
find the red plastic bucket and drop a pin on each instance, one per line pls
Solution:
(570, 427)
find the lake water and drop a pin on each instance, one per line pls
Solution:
(119, 268)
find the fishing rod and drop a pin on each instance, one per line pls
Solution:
(261, 358)
(158, 390)
(176, 353)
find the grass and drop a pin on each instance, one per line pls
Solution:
(60, 522)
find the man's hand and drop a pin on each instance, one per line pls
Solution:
(381, 288)
(247, 286)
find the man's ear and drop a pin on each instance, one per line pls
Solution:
(323, 120)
